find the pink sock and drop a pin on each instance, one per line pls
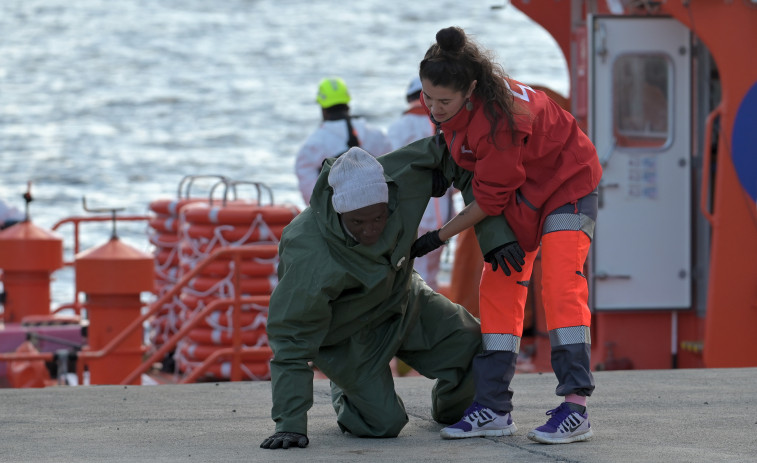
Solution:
(576, 399)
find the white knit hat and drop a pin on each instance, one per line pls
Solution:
(358, 181)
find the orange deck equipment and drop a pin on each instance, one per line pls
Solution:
(113, 276)
(28, 255)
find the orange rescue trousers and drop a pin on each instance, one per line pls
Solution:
(565, 289)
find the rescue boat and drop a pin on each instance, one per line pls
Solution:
(662, 89)
(664, 92)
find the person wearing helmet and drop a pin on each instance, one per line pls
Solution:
(413, 125)
(337, 132)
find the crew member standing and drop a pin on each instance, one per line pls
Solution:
(338, 132)
(532, 164)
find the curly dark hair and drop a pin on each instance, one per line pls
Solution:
(456, 60)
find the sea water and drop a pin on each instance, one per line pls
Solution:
(118, 101)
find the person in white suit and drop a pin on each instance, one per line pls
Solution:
(338, 132)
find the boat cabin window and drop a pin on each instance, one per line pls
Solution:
(641, 93)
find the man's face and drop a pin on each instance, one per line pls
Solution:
(367, 224)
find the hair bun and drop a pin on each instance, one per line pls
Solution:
(451, 39)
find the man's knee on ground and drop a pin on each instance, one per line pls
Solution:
(365, 408)
(379, 426)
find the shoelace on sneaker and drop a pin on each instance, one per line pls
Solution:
(477, 411)
(558, 417)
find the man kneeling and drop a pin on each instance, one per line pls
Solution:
(348, 300)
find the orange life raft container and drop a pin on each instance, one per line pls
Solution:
(185, 232)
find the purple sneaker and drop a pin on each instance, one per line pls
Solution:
(480, 421)
(563, 427)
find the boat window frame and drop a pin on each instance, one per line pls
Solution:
(643, 140)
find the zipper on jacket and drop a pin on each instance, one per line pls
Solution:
(437, 131)
(520, 198)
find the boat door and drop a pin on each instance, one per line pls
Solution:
(640, 123)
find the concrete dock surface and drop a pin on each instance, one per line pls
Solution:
(702, 415)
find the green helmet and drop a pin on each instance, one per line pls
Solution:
(332, 91)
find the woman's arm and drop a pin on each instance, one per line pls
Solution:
(468, 217)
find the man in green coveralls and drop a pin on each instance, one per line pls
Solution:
(348, 300)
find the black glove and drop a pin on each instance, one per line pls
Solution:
(510, 253)
(439, 183)
(284, 440)
(426, 244)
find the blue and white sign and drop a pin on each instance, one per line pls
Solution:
(744, 142)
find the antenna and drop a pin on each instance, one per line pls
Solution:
(28, 198)
(112, 211)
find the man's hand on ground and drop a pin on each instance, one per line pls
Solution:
(284, 440)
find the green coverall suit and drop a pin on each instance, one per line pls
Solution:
(349, 308)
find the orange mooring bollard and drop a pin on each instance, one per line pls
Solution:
(28, 255)
(113, 276)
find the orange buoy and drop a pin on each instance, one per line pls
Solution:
(171, 207)
(231, 233)
(251, 285)
(239, 213)
(164, 236)
(248, 320)
(192, 302)
(190, 231)
(113, 276)
(216, 337)
(252, 371)
(28, 255)
(255, 267)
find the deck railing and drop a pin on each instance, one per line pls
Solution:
(236, 353)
